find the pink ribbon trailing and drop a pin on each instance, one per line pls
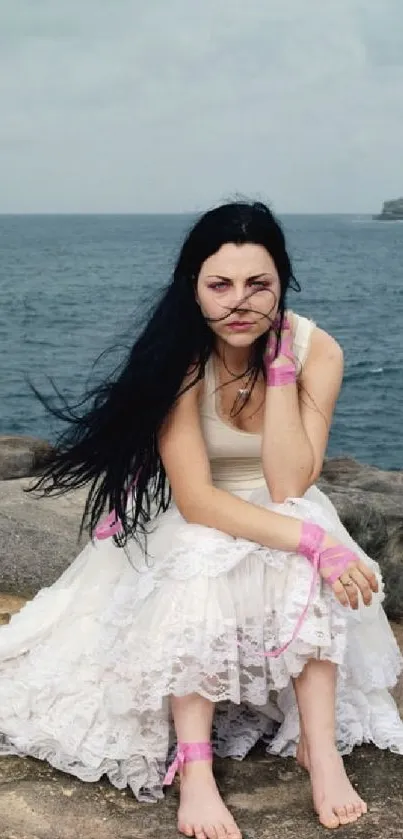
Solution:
(112, 524)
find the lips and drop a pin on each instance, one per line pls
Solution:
(240, 326)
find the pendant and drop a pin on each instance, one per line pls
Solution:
(243, 391)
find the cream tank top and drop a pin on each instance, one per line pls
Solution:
(235, 455)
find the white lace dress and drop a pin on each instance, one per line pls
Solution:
(87, 666)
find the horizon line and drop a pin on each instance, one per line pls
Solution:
(178, 213)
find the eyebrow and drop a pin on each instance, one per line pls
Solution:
(229, 279)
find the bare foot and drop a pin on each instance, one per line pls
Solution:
(335, 799)
(202, 812)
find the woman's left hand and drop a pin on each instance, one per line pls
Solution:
(286, 348)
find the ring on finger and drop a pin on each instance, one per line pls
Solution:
(348, 583)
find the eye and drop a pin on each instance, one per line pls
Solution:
(258, 286)
(220, 284)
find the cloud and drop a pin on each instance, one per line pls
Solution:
(381, 32)
(171, 106)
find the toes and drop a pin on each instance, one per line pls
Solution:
(210, 832)
(360, 808)
(352, 815)
(232, 832)
(229, 831)
(328, 817)
(342, 815)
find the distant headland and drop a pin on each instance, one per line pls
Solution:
(391, 211)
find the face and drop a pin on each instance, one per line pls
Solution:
(238, 290)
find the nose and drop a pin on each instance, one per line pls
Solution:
(241, 299)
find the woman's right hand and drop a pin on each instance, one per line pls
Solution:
(356, 577)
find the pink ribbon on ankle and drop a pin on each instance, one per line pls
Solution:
(185, 753)
(177, 764)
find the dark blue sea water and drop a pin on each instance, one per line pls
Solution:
(69, 286)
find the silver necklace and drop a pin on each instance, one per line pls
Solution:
(243, 392)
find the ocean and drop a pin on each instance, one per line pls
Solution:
(69, 286)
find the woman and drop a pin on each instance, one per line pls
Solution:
(229, 603)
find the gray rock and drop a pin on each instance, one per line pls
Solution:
(39, 537)
(269, 796)
(22, 456)
(369, 502)
(375, 522)
(391, 211)
(346, 471)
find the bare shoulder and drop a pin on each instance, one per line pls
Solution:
(187, 402)
(182, 447)
(322, 345)
(324, 364)
(190, 384)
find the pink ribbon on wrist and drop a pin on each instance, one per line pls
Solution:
(277, 376)
(286, 374)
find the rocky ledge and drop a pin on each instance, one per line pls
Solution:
(391, 211)
(269, 796)
(39, 537)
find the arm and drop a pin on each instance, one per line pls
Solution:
(184, 456)
(297, 421)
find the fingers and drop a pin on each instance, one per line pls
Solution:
(357, 579)
(351, 590)
(369, 575)
(362, 584)
(342, 593)
(275, 323)
(286, 341)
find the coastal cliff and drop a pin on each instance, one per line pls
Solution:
(391, 211)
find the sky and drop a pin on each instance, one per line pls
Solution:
(173, 105)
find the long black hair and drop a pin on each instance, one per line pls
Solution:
(115, 439)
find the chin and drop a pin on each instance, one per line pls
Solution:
(240, 339)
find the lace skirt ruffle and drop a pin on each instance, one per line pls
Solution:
(87, 667)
